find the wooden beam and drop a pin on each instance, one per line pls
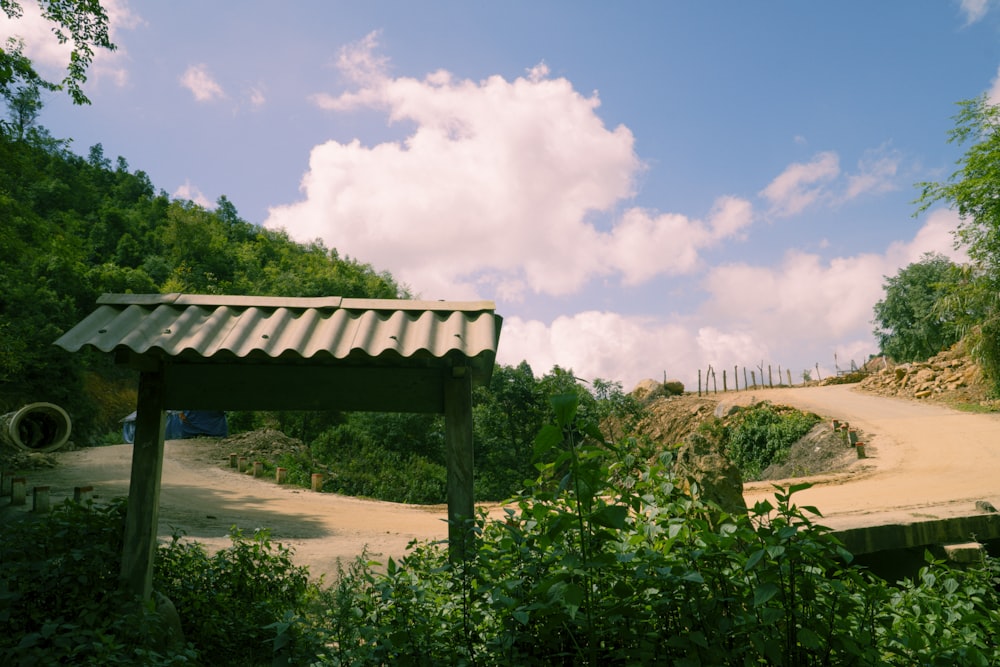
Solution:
(247, 386)
(459, 455)
(143, 511)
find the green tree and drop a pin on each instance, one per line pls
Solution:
(909, 325)
(973, 190)
(84, 23)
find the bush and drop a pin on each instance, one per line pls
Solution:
(759, 435)
(636, 572)
(60, 595)
(227, 602)
(373, 471)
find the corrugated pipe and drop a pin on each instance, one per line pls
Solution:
(38, 427)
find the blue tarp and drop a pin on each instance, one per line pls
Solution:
(185, 424)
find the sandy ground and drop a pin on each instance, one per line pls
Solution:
(925, 461)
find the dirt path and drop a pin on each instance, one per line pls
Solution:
(204, 501)
(926, 461)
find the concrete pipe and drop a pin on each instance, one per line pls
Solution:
(38, 427)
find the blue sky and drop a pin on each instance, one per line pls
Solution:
(643, 188)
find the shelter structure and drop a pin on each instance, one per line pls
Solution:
(279, 353)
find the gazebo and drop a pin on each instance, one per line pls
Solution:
(219, 352)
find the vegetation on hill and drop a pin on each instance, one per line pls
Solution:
(73, 228)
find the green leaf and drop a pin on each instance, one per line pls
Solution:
(753, 560)
(611, 516)
(564, 406)
(809, 639)
(763, 593)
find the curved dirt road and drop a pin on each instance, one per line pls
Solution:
(205, 500)
(926, 461)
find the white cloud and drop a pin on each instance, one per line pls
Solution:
(974, 10)
(192, 193)
(510, 172)
(801, 184)
(257, 97)
(993, 94)
(599, 345)
(806, 309)
(876, 173)
(199, 81)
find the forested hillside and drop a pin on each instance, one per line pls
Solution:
(73, 228)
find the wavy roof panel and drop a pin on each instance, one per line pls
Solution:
(224, 329)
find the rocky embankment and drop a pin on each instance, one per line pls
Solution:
(950, 376)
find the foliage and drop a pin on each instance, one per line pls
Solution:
(587, 570)
(908, 325)
(974, 191)
(73, 228)
(605, 559)
(59, 596)
(228, 601)
(509, 413)
(761, 434)
(82, 22)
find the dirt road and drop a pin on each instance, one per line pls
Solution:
(925, 461)
(205, 501)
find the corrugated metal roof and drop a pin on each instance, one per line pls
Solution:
(321, 330)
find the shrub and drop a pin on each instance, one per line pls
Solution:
(59, 594)
(759, 435)
(584, 570)
(229, 601)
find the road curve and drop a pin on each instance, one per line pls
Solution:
(925, 460)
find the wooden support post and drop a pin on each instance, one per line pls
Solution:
(83, 494)
(459, 456)
(242, 464)
(232, 460)
(736, 379)
(40, 499)
(5, 478)
(724, 388)
(316, 482)
(18, 490)
(258, 468)
(144, 488)
(281, 475)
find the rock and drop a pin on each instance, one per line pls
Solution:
(646, 389)
(723, 410)
(718, 480)
(985, 506)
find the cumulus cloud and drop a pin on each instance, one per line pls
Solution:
(199, 81)
(807, 308)
(497, 187)
(801, 184)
